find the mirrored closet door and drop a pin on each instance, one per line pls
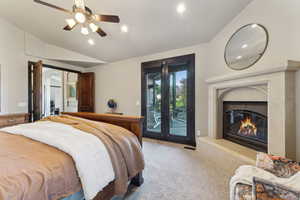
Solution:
(52, 90)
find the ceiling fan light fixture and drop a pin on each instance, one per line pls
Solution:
(71, 22)
(83, 16)
(79, 3)
(80, 17)
(91, 42)
(84, 30)
(181, 8)
(93, 27)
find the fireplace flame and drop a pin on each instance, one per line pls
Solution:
(248, 128)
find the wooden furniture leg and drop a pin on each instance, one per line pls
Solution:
(138, 180)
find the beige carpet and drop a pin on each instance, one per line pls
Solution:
(175, 173)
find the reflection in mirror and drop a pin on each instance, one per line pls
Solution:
(154, 102)
(246, 46)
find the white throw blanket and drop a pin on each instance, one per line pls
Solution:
(245, 175)
(91, 158)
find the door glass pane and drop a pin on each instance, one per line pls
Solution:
(153, 85)
(70, 92)
(178, 103)
(52, 91)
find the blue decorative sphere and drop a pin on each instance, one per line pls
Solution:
(112, 104)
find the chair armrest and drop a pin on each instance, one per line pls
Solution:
(243, 192)
(265, 190)
(279, 166)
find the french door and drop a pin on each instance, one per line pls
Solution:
(168, 99)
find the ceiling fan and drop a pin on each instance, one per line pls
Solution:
(82, 15)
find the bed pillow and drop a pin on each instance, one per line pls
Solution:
(265, 190)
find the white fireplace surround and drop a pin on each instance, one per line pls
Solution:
(276, 86)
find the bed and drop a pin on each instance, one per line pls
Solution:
(42, 161)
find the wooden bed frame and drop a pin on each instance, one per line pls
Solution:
(131, 123)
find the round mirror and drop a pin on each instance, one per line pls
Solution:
(246, 46)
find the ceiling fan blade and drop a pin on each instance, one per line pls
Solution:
(69, 28)
(101, 32)
(52, 6)
(107, 18)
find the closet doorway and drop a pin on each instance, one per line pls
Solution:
(53, 90)
(168, 99)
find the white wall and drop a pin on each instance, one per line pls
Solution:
(122, 82)
(38, 48)
(279, 17)
(14, 59)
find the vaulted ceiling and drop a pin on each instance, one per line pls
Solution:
(154, 25)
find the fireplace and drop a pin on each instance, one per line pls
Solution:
(246, 123)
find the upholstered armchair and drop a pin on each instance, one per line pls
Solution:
(284, 176)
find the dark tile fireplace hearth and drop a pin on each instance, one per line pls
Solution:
(246, 123)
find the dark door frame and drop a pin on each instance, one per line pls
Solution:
(54, 67)
(30, 64)
(163, 66)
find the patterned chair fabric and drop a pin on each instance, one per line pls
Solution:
(243, 192)
(264, 190)
(279, 166)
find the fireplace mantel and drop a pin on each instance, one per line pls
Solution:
(278, 85)
(289, 66)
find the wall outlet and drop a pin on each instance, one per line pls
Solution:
(137, 103)
(198, 133)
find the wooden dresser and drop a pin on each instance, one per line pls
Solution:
(13, 119)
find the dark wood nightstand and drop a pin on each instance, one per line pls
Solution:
(13, 119)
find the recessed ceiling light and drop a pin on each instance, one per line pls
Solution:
(91, 42)
(239, 57)
(244, 46)
(181, 8)
(124, 29)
